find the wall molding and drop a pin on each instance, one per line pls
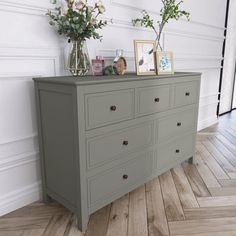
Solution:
(135, 8)
(129, 54)
(30, 53)
(200, 69)
(202, 124)
(18, 139)
(112, 22)
(208, 100)
(192, 56)
(21, 50)
(20, 198)
(192, 35)
(40, 9)
(25, 7)
(109, 54)
(18, 76)
(18, 160)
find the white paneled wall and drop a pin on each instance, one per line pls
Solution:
(29, 48)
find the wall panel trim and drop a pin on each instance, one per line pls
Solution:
(32, 53)
(17, 139)
(20, 197)
(202, 124)
(19, 160)
(25, 7)
(135, 8)
(112, 22)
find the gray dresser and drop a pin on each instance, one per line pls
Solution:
(101, 137)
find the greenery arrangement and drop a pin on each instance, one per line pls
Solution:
(170, 10)
(77, 20)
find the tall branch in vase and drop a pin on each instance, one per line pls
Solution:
(170, 10)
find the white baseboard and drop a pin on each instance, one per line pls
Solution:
(20, 198)
(202, 124)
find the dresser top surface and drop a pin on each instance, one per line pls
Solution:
(111, 79)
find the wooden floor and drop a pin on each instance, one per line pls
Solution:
(197, 199)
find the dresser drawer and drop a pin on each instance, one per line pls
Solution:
(176, 124)
(153, 99)
(186, 94)
(121, 179)
(174, 152)
(109, 107)
(105, 148)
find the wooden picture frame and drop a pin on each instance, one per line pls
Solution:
(165, 62)
(145, 57)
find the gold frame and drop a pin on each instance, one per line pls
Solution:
(158, 54)
(136, 56)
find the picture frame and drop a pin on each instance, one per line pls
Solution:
(145, 57)
(165, 62)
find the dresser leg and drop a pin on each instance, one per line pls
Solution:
(190, 160)
(47, 198)
(82, 223)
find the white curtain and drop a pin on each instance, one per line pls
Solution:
(230, 61)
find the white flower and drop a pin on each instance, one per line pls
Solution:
(101, 9)
(137, 24)
(84, 2)
(98, 3)
(93, 21)
(64, 10)
(90, 8)
(79, 5)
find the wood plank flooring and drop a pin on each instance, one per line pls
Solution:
(191, 199)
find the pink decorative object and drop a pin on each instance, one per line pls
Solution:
(97, 65)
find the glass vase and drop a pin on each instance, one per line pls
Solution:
(78, 60)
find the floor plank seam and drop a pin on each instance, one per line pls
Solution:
(217, 159)
(164, 205)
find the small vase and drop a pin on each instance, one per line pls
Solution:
(78, 60)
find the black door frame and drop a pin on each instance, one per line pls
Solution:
(222, 62)
(232, 100)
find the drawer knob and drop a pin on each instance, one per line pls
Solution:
(187, 94)
(157, 100)
(125, 143)
(125, 176)
(179, 124)
(177, 151)
(113, 108)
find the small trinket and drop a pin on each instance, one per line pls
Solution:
(120, 64)
(97, 65)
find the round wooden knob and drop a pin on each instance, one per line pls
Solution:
(156, 99)
(177, 151)
(125, 176)
(187, 94)
(179, 124)
(113, 108)
(125, 143)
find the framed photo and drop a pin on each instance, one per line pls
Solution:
(165, 63)
(145, 57)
